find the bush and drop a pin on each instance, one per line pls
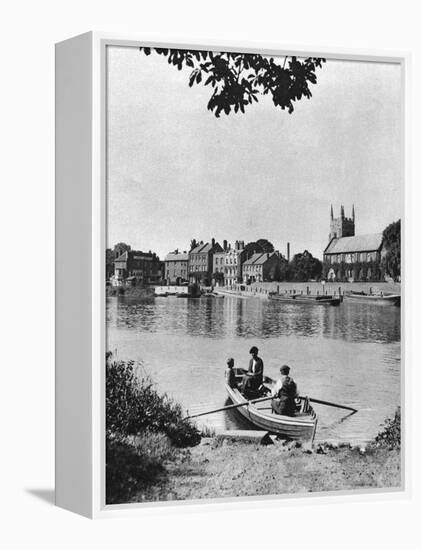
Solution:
(390, 436)
(133, 463)
(133, 405)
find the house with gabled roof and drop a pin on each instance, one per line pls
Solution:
(176, 267)
(262, 267)
(134, 266)
(201, 262)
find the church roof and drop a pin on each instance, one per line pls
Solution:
(358, 243)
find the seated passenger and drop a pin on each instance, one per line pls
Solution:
(230, 374)
(284, 393)
(253, 379)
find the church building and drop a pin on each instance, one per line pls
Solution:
(350, 257)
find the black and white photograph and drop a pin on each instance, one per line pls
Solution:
(253, 275)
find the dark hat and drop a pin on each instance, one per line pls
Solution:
(253, 350)
(284, 369)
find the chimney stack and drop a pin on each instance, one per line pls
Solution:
(288, 251)
(213, 241)
(225, 244)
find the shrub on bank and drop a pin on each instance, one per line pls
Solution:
(133, 405)
(390, 436)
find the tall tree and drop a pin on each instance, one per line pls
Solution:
(304, 267)
(252, 248)
(266, 245)
(238, 79)
(391, 261)
(120, 248)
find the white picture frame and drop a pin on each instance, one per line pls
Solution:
(80, 295)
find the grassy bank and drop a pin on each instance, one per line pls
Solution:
(217, 469)
(220, 468)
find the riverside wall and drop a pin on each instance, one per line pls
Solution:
(314, 288)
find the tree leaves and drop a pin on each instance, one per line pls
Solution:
(238, 79)
(391, 260)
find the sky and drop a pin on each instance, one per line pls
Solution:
(176, 172)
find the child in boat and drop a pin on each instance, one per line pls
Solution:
(284, 393)
(230, 374)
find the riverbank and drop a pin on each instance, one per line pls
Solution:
(261, 290)
(219, 468)
(134, 292)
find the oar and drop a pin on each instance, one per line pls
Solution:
(259, 400)
(313, 400)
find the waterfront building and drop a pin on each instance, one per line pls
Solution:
(218, 271)
(234, 259)
(262, 267)
(176, 268)
(227, 264)
(134, 267)
(350, 257)
(201, 262)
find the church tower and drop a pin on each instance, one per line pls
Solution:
(341, 226)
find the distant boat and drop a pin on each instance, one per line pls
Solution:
(306, 299)
(211, 295)
(378, 298)
(302, 426)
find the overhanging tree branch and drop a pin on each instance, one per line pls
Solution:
(238, 79)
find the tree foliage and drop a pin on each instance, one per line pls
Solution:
(121, 248)
(133, 406)
(266, 245)
(252, 248)
(391, 262)
(238, 79)
(304, 267)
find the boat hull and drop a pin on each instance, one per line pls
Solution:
(297, 428)
(391, 299)
(305, 300)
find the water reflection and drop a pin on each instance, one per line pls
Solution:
(246, 318)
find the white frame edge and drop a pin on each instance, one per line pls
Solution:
(80, 412)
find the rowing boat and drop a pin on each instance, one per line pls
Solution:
(323, 299)
(301, 426)
(381, 299)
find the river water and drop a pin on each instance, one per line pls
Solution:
(348, 354)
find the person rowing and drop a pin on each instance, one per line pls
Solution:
(284, 393)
